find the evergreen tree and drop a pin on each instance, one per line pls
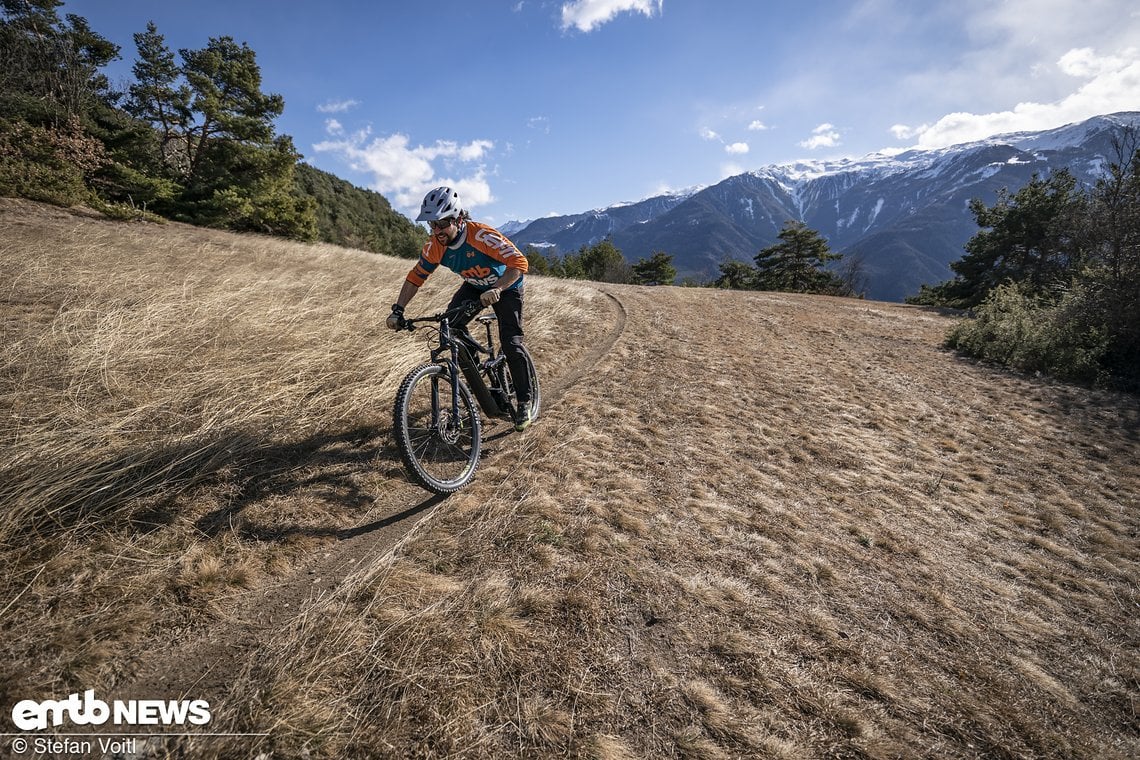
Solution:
(160, 99)
(49, 69)
(51, 91)
(736, 275)
(227, 102)
(1054, 277)
(1114, 211)
(658, 269)
(601, 262)
(796, 263)
(538, 262)
(1028, 237)
(260, 192)
(216, 138)
(1112, 272)
(570, 266)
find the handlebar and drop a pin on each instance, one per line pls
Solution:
(465, 310)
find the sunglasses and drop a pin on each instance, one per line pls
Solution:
(441, 224)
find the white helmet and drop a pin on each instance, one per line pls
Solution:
(441, 203)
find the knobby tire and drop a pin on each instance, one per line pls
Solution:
(442, 459)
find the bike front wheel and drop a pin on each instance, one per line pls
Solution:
(438, 439)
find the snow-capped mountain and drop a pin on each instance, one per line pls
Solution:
(567, 233)
(905, 216)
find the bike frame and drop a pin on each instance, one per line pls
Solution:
(448, 352)
(446, 343)
(478, 373)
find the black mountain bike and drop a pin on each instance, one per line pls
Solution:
(437, 425)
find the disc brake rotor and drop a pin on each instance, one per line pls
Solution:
(449, 427)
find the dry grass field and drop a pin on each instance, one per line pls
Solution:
(746, 524)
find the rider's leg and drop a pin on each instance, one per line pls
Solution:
(509, 311)
(465, 293)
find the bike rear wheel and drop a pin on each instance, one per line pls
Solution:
(438, 442)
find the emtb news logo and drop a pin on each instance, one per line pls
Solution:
(30, 715)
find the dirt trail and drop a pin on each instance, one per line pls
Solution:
(203, 664)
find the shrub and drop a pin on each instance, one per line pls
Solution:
(45, 163)
(1031, 333)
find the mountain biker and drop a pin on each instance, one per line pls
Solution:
(492, 268)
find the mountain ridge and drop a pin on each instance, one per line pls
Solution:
(904, 216)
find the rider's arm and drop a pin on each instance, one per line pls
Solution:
(509, 278)
(407, 292)
(428, 261)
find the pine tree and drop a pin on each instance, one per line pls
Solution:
(225, 86)
(51, 91)
(736, 275)
(658, 269)
(220, 138)
(158, 98)
(49, 69)
(602, 262)
(1029, 237)
(796, 264)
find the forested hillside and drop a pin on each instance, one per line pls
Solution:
(357, 218)
(191, 138)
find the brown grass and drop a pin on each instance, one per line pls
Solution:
(761, 525)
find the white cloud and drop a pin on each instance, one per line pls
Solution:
(473, 191)
(737, 148)
(338, 106)
(731, 170)
(474, 150)
(403, 172)
(903, 132)
(757, 126)
(708, 134)
(823, 136)
(334, 127)
(1083, 62)
(1112, 83)
(1006, 66)
(587, 15)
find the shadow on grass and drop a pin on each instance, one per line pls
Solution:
(390, 520)
(328, 465)
(145, 490)
(249, 531)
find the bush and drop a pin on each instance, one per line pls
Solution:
(1074, 255)
(1020, 329)
(47, 164)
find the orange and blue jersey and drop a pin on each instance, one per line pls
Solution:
(480, 256)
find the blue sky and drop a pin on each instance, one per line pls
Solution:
(532, 107)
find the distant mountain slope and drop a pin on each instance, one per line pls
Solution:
(905, 216)
(568, 233)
